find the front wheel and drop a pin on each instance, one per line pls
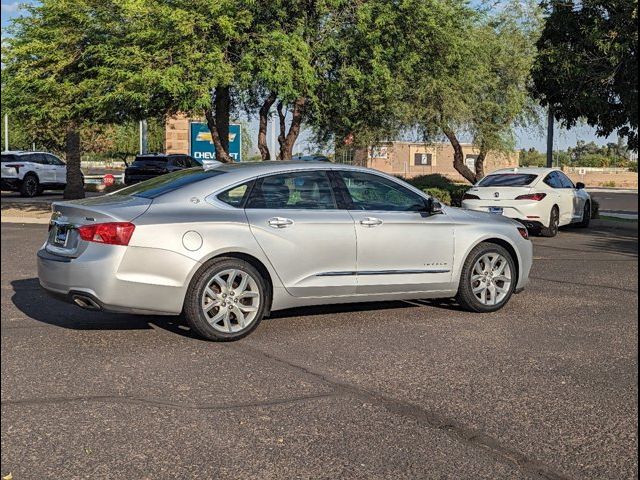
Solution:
(488, 279)
(226, 300)
(586, 216)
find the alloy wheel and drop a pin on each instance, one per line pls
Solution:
(491, 279)
(231, 300)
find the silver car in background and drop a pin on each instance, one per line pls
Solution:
(227, 245)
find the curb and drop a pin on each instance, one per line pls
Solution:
(31, 220)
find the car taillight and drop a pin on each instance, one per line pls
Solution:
(469, 196)
(524, 232)
(112, 233)
(17, 166)
(532, 196)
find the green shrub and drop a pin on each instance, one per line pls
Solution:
(440, 194)
(440, 187)
(609, 184)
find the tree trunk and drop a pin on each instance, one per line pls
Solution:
(262, 128)
(75, 180)
(458, 157)
(479, 163)
(218, 123)
(282, 137)
(289, 140)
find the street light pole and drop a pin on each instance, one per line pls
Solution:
(550, 127)
(6, 132)
(144, 145)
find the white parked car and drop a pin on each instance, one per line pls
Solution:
(543, 199)
(32, 172)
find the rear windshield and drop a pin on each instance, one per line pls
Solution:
(8, 158)
(150, 161)
(507, 180)
(168, 183)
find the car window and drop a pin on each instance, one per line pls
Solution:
(296, 190)
(565, 181)
(371, 192)
(168, 183)
(8, 158)
(53, 160)
(553, 180)
(150, 161)
(507, 180)
(235, 196)
(193, 162)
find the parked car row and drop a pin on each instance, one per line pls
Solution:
(30, 173)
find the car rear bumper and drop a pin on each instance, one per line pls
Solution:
(526, 212)
(118, 279)
(11, 184)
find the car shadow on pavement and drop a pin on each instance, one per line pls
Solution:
(35, 303)
(608, 239)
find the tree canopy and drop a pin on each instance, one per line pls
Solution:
(587, 65)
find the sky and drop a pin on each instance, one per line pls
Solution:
(525, 138)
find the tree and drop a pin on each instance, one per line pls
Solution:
(479, 89)
(48, 60)
(587, 65)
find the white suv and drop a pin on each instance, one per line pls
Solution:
(32, 172)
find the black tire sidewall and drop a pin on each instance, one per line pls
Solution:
(193, 311)
(554, 223)
(465, 296)
(25, 182)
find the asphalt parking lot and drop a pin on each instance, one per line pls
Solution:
(544, 389)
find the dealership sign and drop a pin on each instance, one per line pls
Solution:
(201, 145)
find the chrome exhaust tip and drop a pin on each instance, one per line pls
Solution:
(85, 302)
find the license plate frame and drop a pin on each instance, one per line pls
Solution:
(59, 236)
(496, 210)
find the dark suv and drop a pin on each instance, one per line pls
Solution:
(151, 165)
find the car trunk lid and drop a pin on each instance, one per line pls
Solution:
(66, 217)
(497, 194)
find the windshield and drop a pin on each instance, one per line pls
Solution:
(168, 183)
(8, 158)
(507, 180)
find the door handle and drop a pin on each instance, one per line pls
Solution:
(279, 222)
(371, 222)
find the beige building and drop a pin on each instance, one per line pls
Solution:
(176, 138)
(409, 159)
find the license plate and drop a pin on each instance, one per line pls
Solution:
(496, 210)
(59, 236)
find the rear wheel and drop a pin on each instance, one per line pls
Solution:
(226, 301)
(554, 224)
(488, 279)
(586, 216)
(30, 186)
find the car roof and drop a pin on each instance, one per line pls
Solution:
(155, 155)
(24, 152)
(525, 170)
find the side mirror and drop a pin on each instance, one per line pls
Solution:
(580, 186)
(434, 207)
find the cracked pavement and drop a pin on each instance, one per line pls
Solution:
(544, 389)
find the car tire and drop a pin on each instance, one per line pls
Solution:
(30, 186)
(554, 224)
(224, 306)
(472, 279)
(586, 216)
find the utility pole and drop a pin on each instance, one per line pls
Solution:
(550, 126)
(6, 132)
(144, 144)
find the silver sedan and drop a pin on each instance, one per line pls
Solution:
(228, 244)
